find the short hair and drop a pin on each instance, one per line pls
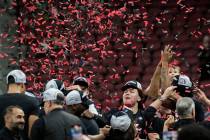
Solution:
(193, 132)
(10, 108)
(185, 106)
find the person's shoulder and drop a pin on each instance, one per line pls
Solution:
(29, 99)
(39, 122)
(72, 116)
(5, 95)
(3, 133)
(175, 125)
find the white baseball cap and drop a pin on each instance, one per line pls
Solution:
(120, 121)
(18, 75)
(51, 94)
(54, 83)
(73, 97)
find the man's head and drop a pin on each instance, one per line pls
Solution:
(185, 108)
(54, 83)
(206, 41)
(132, 93)
(57, 84)
(122, 127)
(53, 98)
(75, 102)
(82, 82)
(14, 118)
(16, 80)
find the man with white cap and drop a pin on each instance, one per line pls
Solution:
(122, 127)
(77, 104)
(15, 96)
(57, 123)
(57, 84)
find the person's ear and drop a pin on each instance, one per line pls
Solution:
(6, 118)
(50, 103)
(138, 98)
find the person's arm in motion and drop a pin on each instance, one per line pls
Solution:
(166, 56)
(103, 133)
(154, 87)
(168, 93)
(168, 123)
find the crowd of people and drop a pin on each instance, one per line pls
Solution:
(172, 107)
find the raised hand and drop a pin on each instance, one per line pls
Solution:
(167, 53)
(201, 96)
(169, 92)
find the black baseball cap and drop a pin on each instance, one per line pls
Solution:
(132, 84)
(184, 85)
(82, 81)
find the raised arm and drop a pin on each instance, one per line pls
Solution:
(154, 87)
(168, 93)
(166, 56)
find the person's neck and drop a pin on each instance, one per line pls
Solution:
(134, 108)
(14, 89)
(55, 107)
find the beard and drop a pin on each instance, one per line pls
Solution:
(18, 126)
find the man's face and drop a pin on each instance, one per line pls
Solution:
(84, 89)
(131, 97)
(76, 109)
(16, 119)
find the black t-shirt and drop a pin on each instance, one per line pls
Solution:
(29, 105)
(199, 111)
(137, 118)
(181, 123)
(204, 57)
(154, 124)
(90, 126)
(6, 134)
(56, 125)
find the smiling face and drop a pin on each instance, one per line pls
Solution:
(131, 97)
(15, 119)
